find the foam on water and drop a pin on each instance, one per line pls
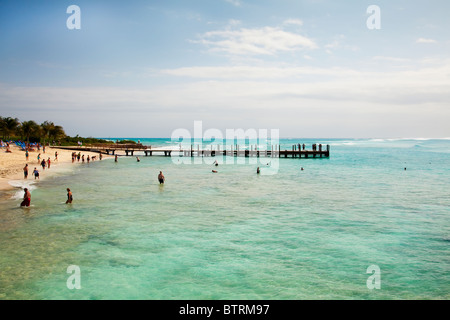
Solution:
(20, 185)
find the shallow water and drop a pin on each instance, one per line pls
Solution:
(284, 234)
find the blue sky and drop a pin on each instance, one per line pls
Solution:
(310, 68)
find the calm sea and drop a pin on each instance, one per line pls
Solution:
(284, 234)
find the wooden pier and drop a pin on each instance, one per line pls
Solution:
(297, 151)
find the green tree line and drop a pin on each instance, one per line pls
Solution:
(30, 131)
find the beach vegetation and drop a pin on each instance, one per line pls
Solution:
(8, 127)
(44, 133)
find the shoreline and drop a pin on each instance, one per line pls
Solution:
(12, 165)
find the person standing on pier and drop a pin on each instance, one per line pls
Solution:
(161, 178)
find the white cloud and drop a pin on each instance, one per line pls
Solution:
(235, 3)
(297, 22)
(339, 43)
(224, 84)
(234, 22)
(258, 41)
(265, 73)
(424, 40)
(391, 59)
(329, 101)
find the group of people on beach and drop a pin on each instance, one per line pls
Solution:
(46, 164)
(78, 156)
(43, 163)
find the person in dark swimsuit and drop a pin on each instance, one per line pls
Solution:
(69, 196)
(26, 198)
(36, 174)
(161, 178)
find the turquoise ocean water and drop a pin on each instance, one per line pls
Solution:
(283, 234)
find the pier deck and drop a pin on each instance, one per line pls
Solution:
(196, 151)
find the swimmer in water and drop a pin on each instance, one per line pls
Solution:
(26, 198)
(36, 173)
(69, 196)
(161, 178)
(137, 159)
(258, 171)
(214, 171)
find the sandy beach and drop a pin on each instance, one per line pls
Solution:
(12, 164)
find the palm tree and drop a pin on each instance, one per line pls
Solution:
(46, 127)
(57, 132)
(29, 128)
(9, 126)
(2, 125)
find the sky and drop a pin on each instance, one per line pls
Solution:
(309, 68)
